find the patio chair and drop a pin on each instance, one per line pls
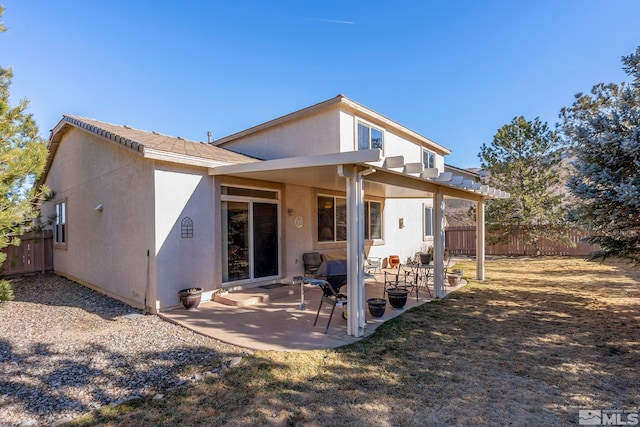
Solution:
(402, 277)
(311, 261)
(373, 265)
(333, 278)
(446, 270)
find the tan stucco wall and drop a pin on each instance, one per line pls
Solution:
(298, 240)
(406, 241)
(184, 262)
(314, 134)
(106, 250)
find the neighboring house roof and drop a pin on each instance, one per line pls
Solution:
(151, 145)
(347, 103)
(467, 173)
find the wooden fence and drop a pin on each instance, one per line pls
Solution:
(34, 255)
(462, 241)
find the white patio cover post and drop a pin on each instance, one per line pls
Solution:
(438, 244)
(355, 249)
(480, 236)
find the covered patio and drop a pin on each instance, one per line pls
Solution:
(274, 320)
(368, 172)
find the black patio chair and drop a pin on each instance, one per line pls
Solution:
(311, 261)
(332, 275)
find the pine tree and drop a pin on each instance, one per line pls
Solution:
(23, 156)
(525, 160)
(603, 130)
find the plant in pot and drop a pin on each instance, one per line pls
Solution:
(454, 277)
(190, 297)
(377, 306)
(397, 297)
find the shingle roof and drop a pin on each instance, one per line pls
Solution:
(140, 140)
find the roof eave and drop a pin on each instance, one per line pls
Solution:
(183, 159)
(338, 100)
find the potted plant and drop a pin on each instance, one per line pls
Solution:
(454, 277)
(397, 297)
(190, 297)
(377, 306)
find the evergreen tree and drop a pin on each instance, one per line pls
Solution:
(23, 155)
(524, 159)
(603, 130)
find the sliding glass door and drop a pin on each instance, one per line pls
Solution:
(250, 234)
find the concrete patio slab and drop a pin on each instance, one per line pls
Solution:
(275, 321)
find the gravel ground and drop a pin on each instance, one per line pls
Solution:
(66, 350)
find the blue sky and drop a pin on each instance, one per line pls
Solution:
(453, 71)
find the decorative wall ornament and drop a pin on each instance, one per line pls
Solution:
(186, 228)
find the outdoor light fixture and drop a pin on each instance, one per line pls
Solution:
(99, 207)
(401, 223)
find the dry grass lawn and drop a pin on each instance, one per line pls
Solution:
(540, 339)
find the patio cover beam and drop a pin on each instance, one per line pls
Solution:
(415, 183)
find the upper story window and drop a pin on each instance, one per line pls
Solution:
(428, 159)
(369, 137)
(60, 224)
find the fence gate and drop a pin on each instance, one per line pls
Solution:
(34, 255)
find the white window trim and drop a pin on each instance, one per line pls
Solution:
(424, 150)
(370, 126)
(425, 237)
(56, 243)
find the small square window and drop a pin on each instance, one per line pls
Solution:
(428, 159)
(369, 137)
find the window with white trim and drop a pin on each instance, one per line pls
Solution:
(60, 223)
(369, 137)
(428, 222)
(372, 220)
(332, 219)
(428, 159)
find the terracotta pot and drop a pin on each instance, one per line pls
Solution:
(190, 298)
(394, 261)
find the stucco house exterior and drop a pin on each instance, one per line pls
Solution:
(138, 215)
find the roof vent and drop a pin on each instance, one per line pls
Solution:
(209, 137)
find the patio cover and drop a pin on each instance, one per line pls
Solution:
(367, 171)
